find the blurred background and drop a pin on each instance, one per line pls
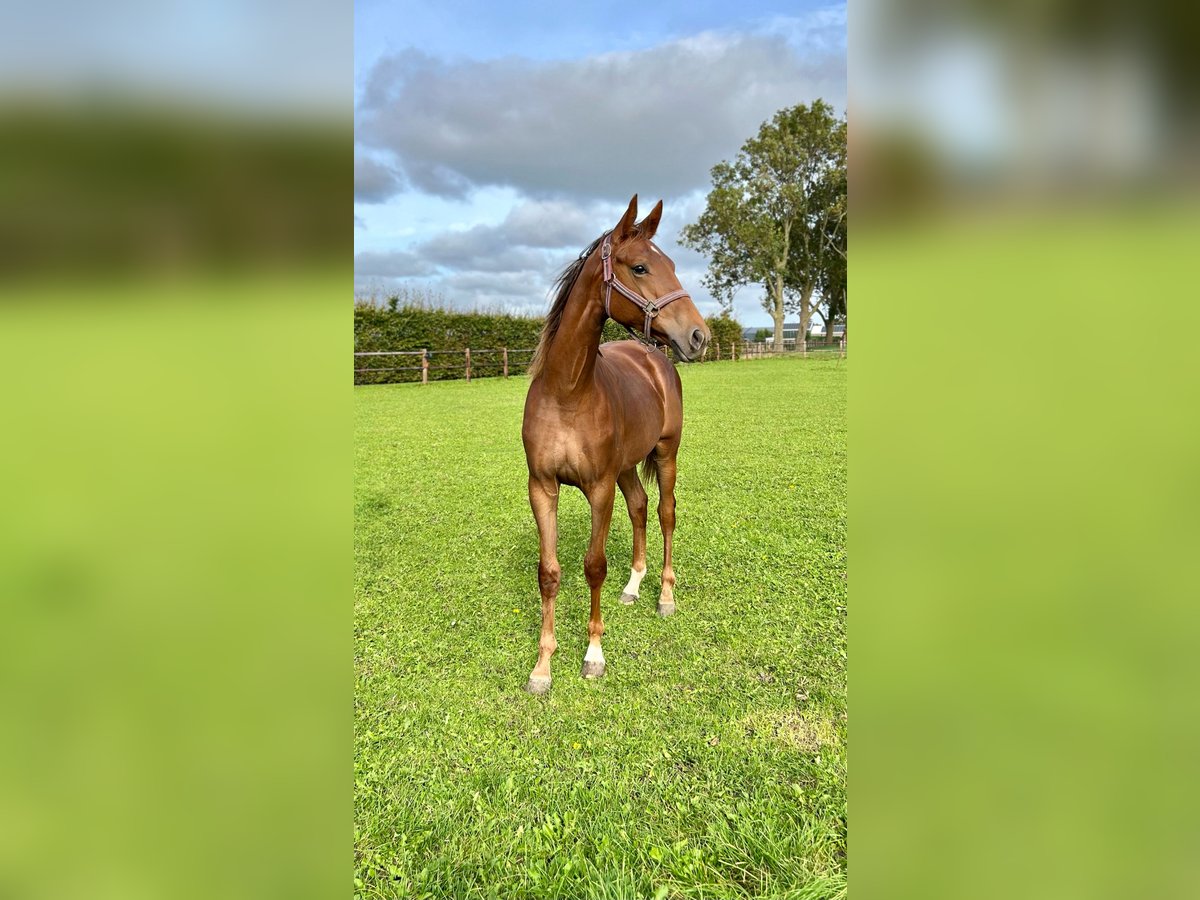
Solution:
(969, 104)
(1023, 480)
(172, 139)
(175, 263)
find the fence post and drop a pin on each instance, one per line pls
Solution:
(718, 351)
(468, 365)
(733, 351)
(505, 362)
(842, 347)
(424, 365)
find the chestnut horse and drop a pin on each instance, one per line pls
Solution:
(594, 412)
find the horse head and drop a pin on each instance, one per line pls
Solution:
(648, 293)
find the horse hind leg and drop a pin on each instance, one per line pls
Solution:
(665, 467)
(636, 501)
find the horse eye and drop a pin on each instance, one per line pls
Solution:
(640, 269)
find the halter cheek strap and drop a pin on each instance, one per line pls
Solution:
(650, 307)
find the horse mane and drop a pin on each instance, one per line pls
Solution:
(562, 288)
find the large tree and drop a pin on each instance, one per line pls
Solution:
(830, 271)
(816, 275)
(769, 212)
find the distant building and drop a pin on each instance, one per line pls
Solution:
(816, 328)
(816, 331)
(789, 333)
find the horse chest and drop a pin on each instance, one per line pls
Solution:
(573, 448)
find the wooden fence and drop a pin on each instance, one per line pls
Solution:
(504, 360)
(502, 357)
(752, 349)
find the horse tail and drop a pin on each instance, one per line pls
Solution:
(649, 467)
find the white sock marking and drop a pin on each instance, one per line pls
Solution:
(635, 581)
(594, 654)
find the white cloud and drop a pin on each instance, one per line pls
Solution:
(512, 265)
(374, 182)
(654, 120)
(392, 264)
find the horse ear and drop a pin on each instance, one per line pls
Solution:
(649, 225)
(625, 226)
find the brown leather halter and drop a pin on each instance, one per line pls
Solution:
(650, 307)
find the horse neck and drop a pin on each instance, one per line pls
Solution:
(571, 358)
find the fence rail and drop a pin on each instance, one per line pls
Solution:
(470, 364)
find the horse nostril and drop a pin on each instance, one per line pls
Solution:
(697, 338)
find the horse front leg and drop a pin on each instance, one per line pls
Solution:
(600, 497)
(666, 519)
(543, 499)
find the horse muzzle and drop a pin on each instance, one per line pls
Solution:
(693, 347)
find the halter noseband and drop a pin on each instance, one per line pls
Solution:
(650, 307)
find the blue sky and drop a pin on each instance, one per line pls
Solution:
(494, 141)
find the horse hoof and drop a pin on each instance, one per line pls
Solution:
(593, 669)
(539, 685)
(629, 599)
(666, 609)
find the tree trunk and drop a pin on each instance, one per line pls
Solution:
(824, 317)
(806, 311)
(829, 327)
(777, 313)
(780, 268)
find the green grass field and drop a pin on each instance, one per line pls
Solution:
(710, 761)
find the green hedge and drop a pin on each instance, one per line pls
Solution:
(434, 329)
(418, 327)
(726, 331)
